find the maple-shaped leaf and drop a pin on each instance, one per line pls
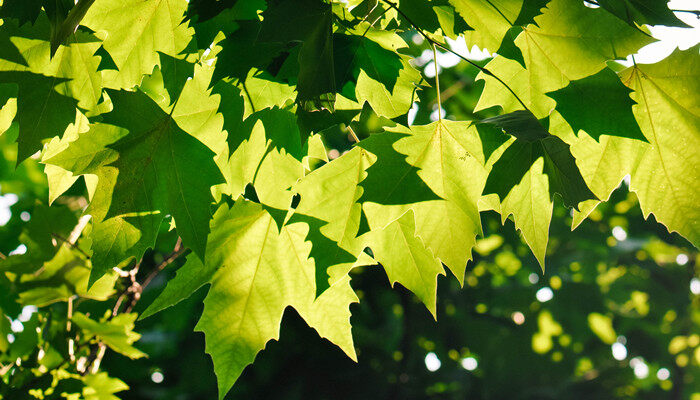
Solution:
(521, 80)
(642, 12)
(530, 203)
(311, 23)
(436, 17)
(570, 41)
(665, 171)
(529, 10)
(447, 157)
(533, 142)
(329, 205)
(101, 386)
(22, 10)
(489, 19)
(190, 277)
(598, 104)
(117, 333)
(147, 166)
(64, 26)
(59, 179)
(63, 277)
(243, 41)
(8, 50)
(49, 89)
(406, 260)
(377, 83)
(134, 31)
(260, 271)
(360, 53)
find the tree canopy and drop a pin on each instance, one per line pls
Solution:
(284, 153)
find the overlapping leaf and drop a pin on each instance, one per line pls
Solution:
(665, 171)
(147, 165)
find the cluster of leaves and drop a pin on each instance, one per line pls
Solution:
(202, 127)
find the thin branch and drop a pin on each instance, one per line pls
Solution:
(437, 82)
(178, 250)
(71, 341)
(69, 243)
(429, 39)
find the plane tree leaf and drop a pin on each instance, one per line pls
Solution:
(260, 271)
(133, 31)
(447, 158)
(642, 12)
(663, 170)
(50, 88)
(598, 104)
(146, 166)
(406, 260)
(329, 205)
(117, 333)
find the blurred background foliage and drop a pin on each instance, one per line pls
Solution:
(616, 315)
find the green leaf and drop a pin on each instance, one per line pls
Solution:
(262, 270)
(664, 170)
(521, 124)
(559, 166)
(598, 104)
(388, 97)
(117, 333)
(360, 53)
(642, 12)
(22, 10)
(530, 203)
(133, 31)
(406, 260)
(243, 41)
(529, 10)
(190, 277)
(50, 88)
(449, 159)
(391, 180)
(329, 204)
(522, 81)
(489, 19)
(101, 386)
(571, 41)
(147, 166)
(68, 26)
(62, 277)
(309, 22)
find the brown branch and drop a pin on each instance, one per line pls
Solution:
(72, 245)
(177, 252)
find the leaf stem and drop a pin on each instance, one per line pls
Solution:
(352, 133)
(437, 82)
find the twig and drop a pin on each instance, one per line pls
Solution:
(178, 250)
(71, 341)
(72, 245)
(75, 233)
